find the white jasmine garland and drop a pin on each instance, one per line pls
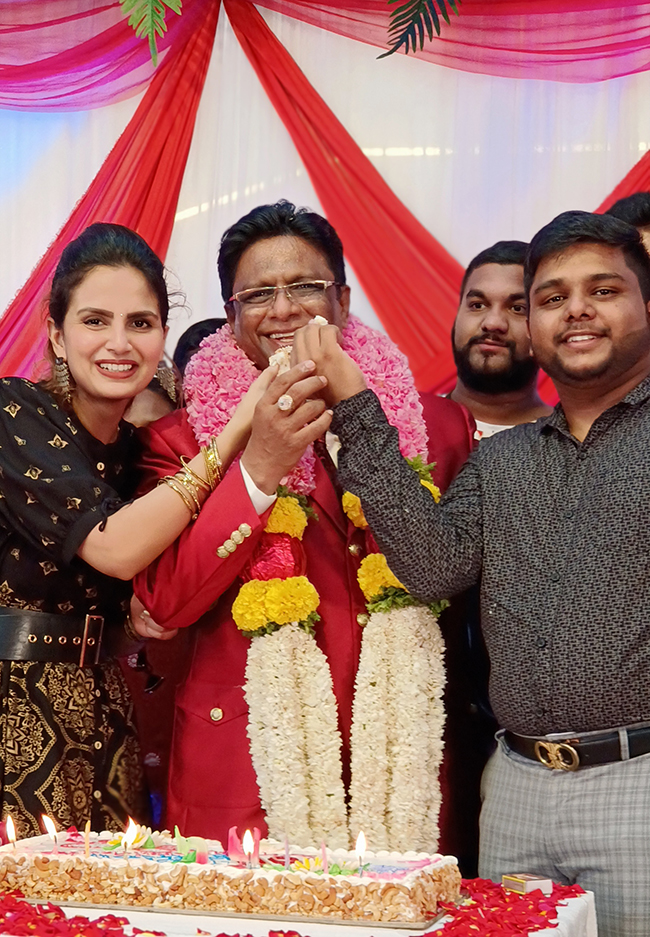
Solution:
(327, 810)
(294, 738)
(276, 735)
(397, 725)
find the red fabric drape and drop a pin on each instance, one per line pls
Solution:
(410, 279)
(138, 186)
(560, 40)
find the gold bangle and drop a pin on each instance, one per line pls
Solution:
(213, 463)
(196, 478)
(172, 482)
(190, 488)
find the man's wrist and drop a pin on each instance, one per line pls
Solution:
(260, 478)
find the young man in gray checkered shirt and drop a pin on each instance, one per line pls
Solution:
(553, 519)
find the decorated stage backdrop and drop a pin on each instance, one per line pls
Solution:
(520, 110)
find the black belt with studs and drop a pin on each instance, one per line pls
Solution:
(63, 639)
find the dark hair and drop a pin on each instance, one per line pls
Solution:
(503, 252)
(582, 227)
(105, 245)
(269, 221)
(191, 338)
(635, 209)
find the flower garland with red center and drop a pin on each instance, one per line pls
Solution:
(293, 724)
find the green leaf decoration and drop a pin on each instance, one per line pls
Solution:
(147, 17)
(424, 470)
(410, 21)
(438, 607)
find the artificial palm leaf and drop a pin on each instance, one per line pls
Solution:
(147, 17)
(410, 21)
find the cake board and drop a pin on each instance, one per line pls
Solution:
(270, 921)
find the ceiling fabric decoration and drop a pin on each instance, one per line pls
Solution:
(393, 255)
(560, 40)
(137, 186)
(73, 54)
(66, 55)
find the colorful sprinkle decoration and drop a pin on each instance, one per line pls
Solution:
(488, 911)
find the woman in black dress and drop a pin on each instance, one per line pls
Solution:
(71, 538)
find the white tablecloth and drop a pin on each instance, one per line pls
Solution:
(576, 919)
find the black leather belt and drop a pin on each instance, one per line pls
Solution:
(571, 753)
(39, 636)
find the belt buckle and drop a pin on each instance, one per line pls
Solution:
(92, 622)
(558, 756)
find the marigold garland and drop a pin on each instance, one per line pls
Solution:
(287, 517)
(293, 724)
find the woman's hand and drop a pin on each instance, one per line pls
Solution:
(321, 344)
(144, 625)
(279, 436)
(242, 419)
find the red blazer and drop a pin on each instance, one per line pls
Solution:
(451, 429)
(212, 784)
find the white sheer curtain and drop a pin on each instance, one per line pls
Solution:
(475, 158)
(47, 162)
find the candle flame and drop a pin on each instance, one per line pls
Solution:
(361, 846)
(11, 830)
(130, 834)
(50, 828)
(248, 844)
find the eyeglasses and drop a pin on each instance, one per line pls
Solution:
(303, 294)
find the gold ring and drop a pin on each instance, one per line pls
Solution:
(285, 402)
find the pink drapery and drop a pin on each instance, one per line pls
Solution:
(138, 186)
(410, 279)
(79, 54)
(559, 40)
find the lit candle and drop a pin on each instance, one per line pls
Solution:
(248, 845)
(50, 829)
(287, 857)
(87, 839)
(11, 831)
(130, 835)
(361, 850)
(326, 865)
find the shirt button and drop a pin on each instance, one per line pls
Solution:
(555, 577)
(216, 714)
(540, 641)
(97, 795)
(100, 466)
(354, 549)
(541, 712)
(568, 514)
(237, 536)
(245, 529)
(362, 619)
(98, 745)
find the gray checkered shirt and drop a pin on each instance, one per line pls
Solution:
(558, 534)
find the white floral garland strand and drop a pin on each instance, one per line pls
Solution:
(397, 724)
(369, 737)
(294, 738)
(416, 718)
(327, 810)
(276, 735)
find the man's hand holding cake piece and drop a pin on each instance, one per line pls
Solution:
(320, 342)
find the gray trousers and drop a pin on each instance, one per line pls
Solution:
(591, 826)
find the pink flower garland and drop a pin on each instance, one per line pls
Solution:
(220, 373)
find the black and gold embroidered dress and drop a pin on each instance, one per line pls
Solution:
(68, 745)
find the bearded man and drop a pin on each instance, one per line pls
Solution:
(280, 268)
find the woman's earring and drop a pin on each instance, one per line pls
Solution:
(63, 379)
(165, 377)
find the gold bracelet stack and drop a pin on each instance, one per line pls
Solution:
(213, 463)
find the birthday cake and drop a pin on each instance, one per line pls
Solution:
(167, 872)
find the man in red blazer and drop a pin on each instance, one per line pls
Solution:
(279, 268)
